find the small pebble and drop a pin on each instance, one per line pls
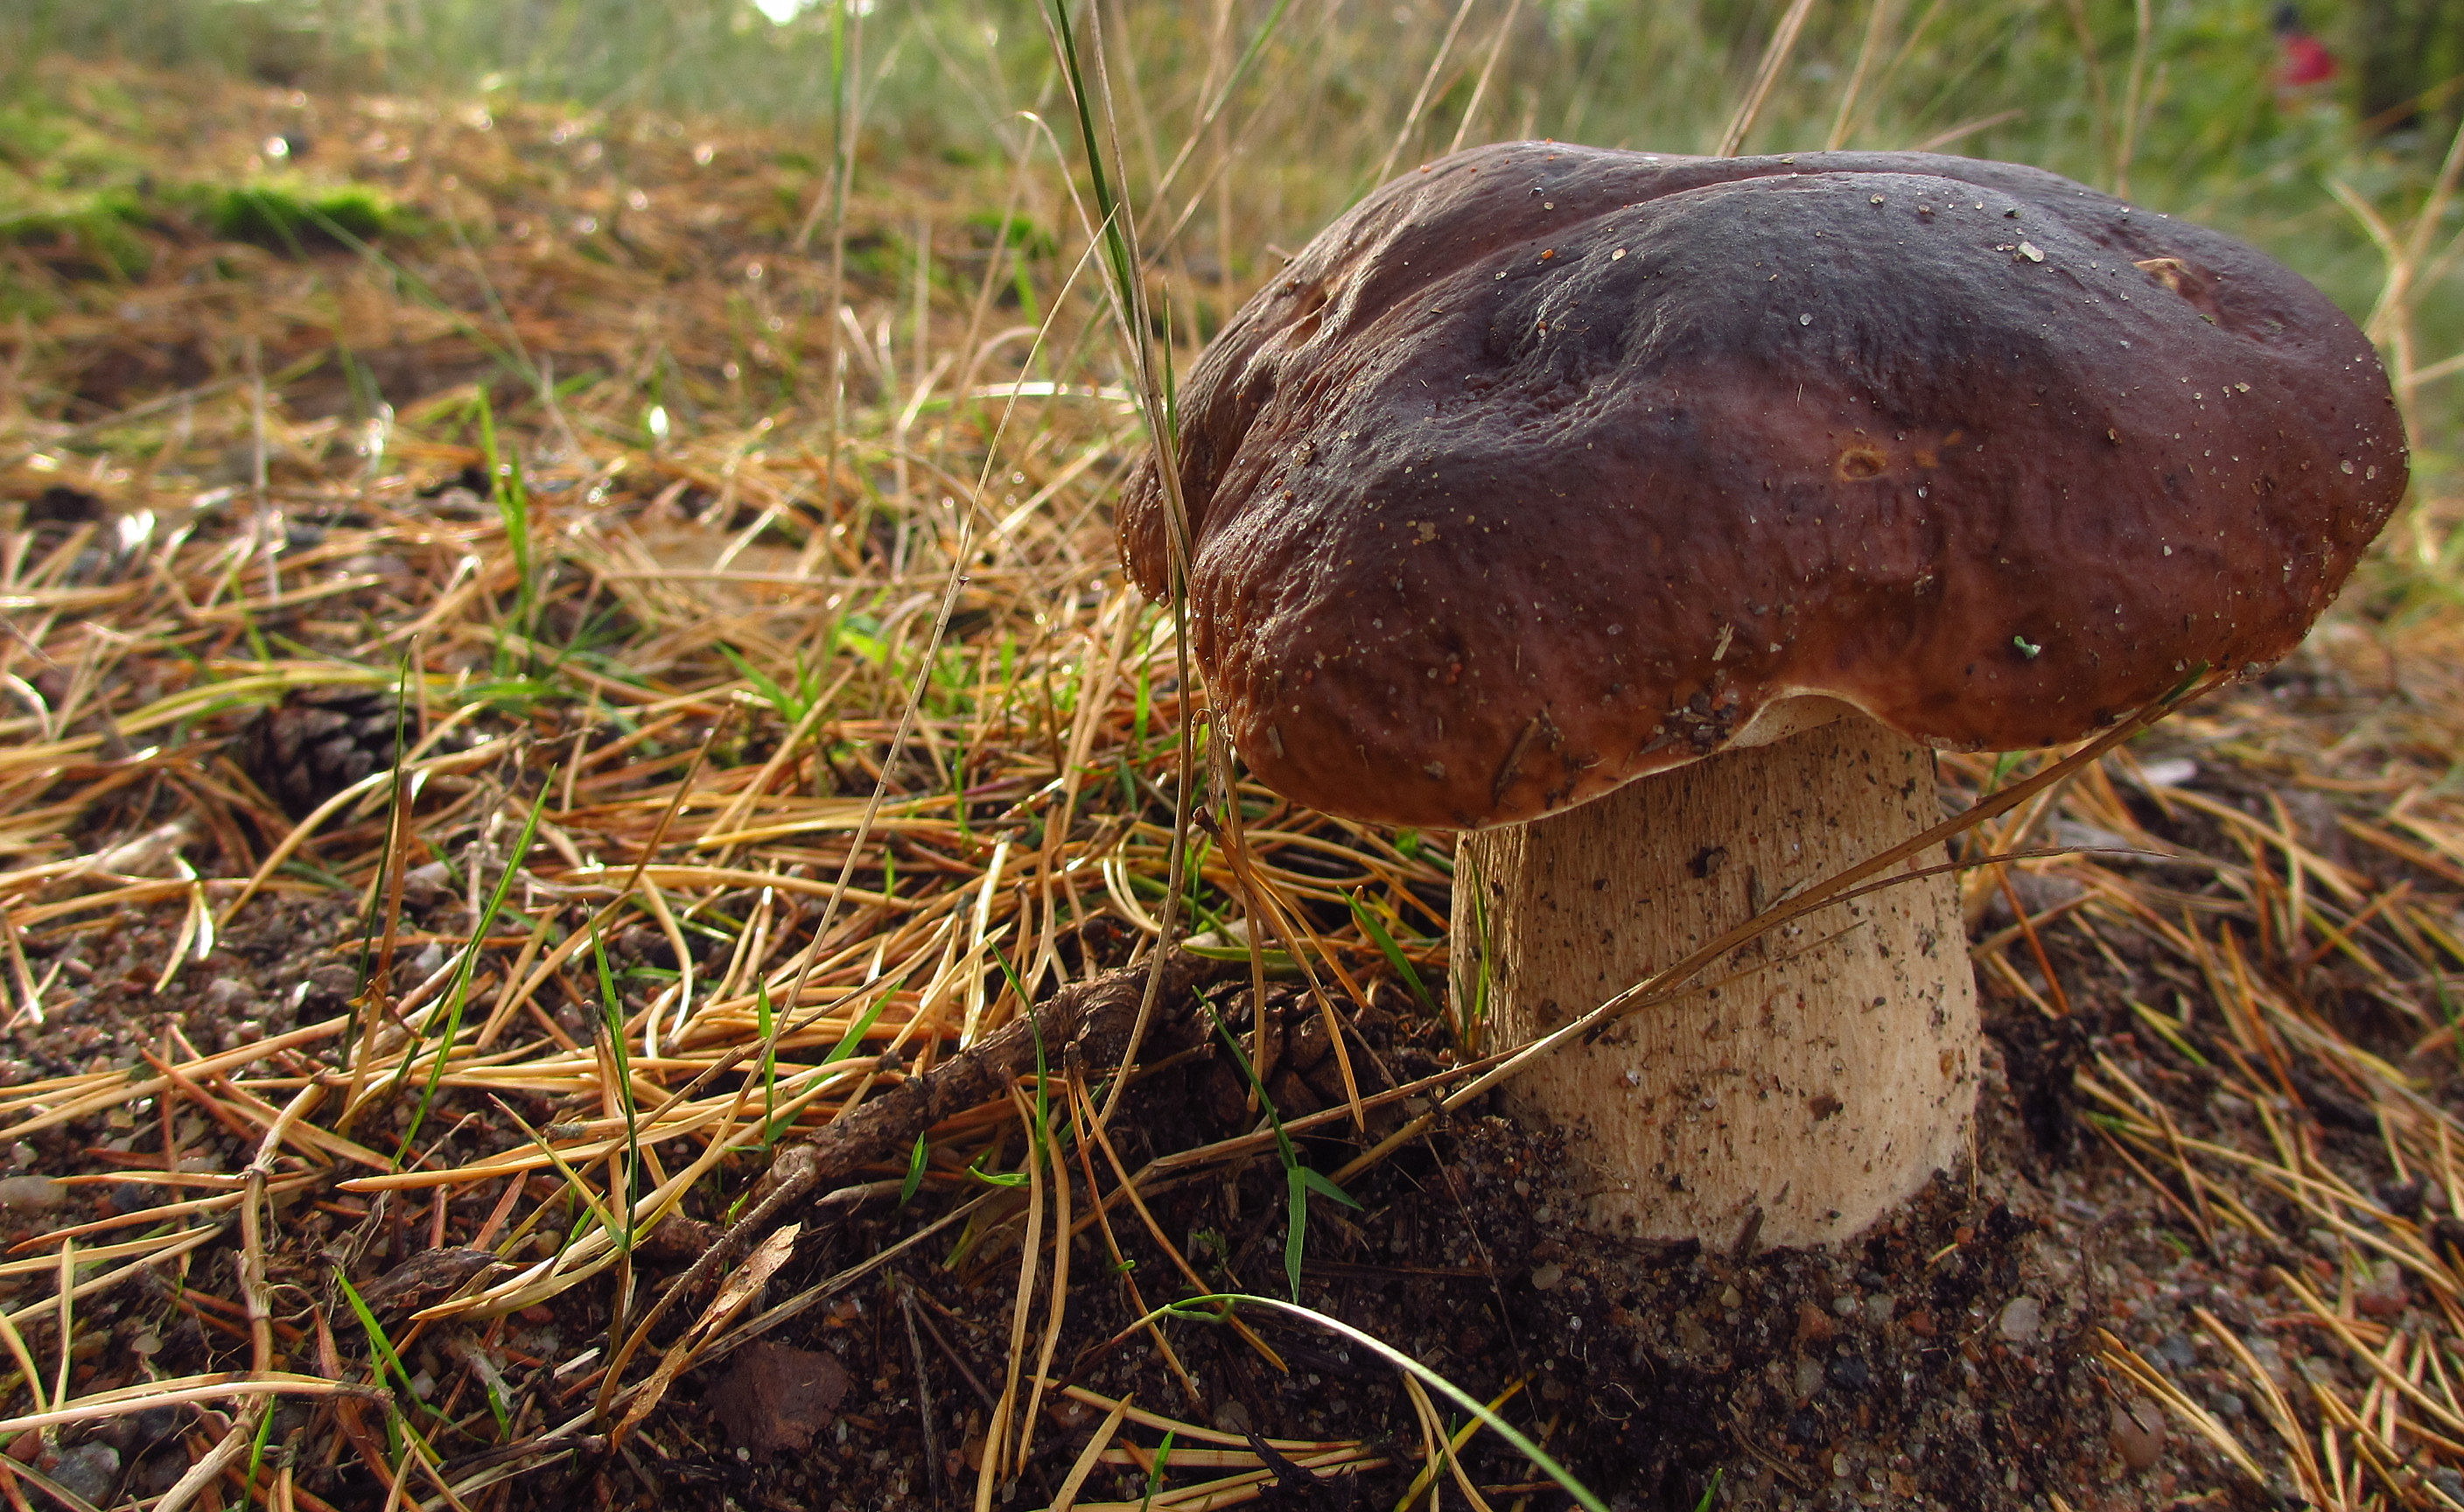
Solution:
(30, 1192)
(2138, 1434)
(158, 1472)
(1845, 1305)
(1811, 1327)
(430, 884)
(90, 1471)
(2385, 1295)
(2177, 1351)
(154, 1425)
(1231, 1418)
(1849, 1373)
(1545, 1278)
(2403, 1198)
(2021, 1318)
(1808, 1378)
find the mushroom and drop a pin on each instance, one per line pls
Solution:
(1649, 518)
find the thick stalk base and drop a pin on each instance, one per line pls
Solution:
(1809, 1081)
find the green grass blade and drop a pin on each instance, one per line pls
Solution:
(379, 1343)
(762, 1020)
(1154, 1472)
(611, 1014)
(458, 994)
(1375, 927)
(856, 1031)
(1216, 1306)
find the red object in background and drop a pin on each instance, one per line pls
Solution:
(2307, 62)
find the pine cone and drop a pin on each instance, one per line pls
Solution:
(318, 742)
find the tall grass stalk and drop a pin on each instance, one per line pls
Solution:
(1775, 58)
(1420, 97)
(1115, 229)
(1878, 18)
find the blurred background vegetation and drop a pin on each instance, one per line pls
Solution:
(2181, 88)
(2174, 98)
(2179, 104)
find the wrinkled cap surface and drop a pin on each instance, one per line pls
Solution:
(1546, 468)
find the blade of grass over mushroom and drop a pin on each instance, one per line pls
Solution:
(1116, 228)
(1672, 981)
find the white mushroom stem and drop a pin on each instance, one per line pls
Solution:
(1810, 1081)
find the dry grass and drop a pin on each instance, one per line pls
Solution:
(694, 659)
(826, 711)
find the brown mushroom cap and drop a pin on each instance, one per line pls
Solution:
(1546, 468)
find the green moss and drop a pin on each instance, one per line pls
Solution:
(48, 147)
(94, 233)
(17, 299)
(288, 220)
(29, 138)
(877, 257)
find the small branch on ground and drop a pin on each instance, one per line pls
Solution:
(1093, 1015)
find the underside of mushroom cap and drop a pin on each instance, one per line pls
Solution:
(1547, 468)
